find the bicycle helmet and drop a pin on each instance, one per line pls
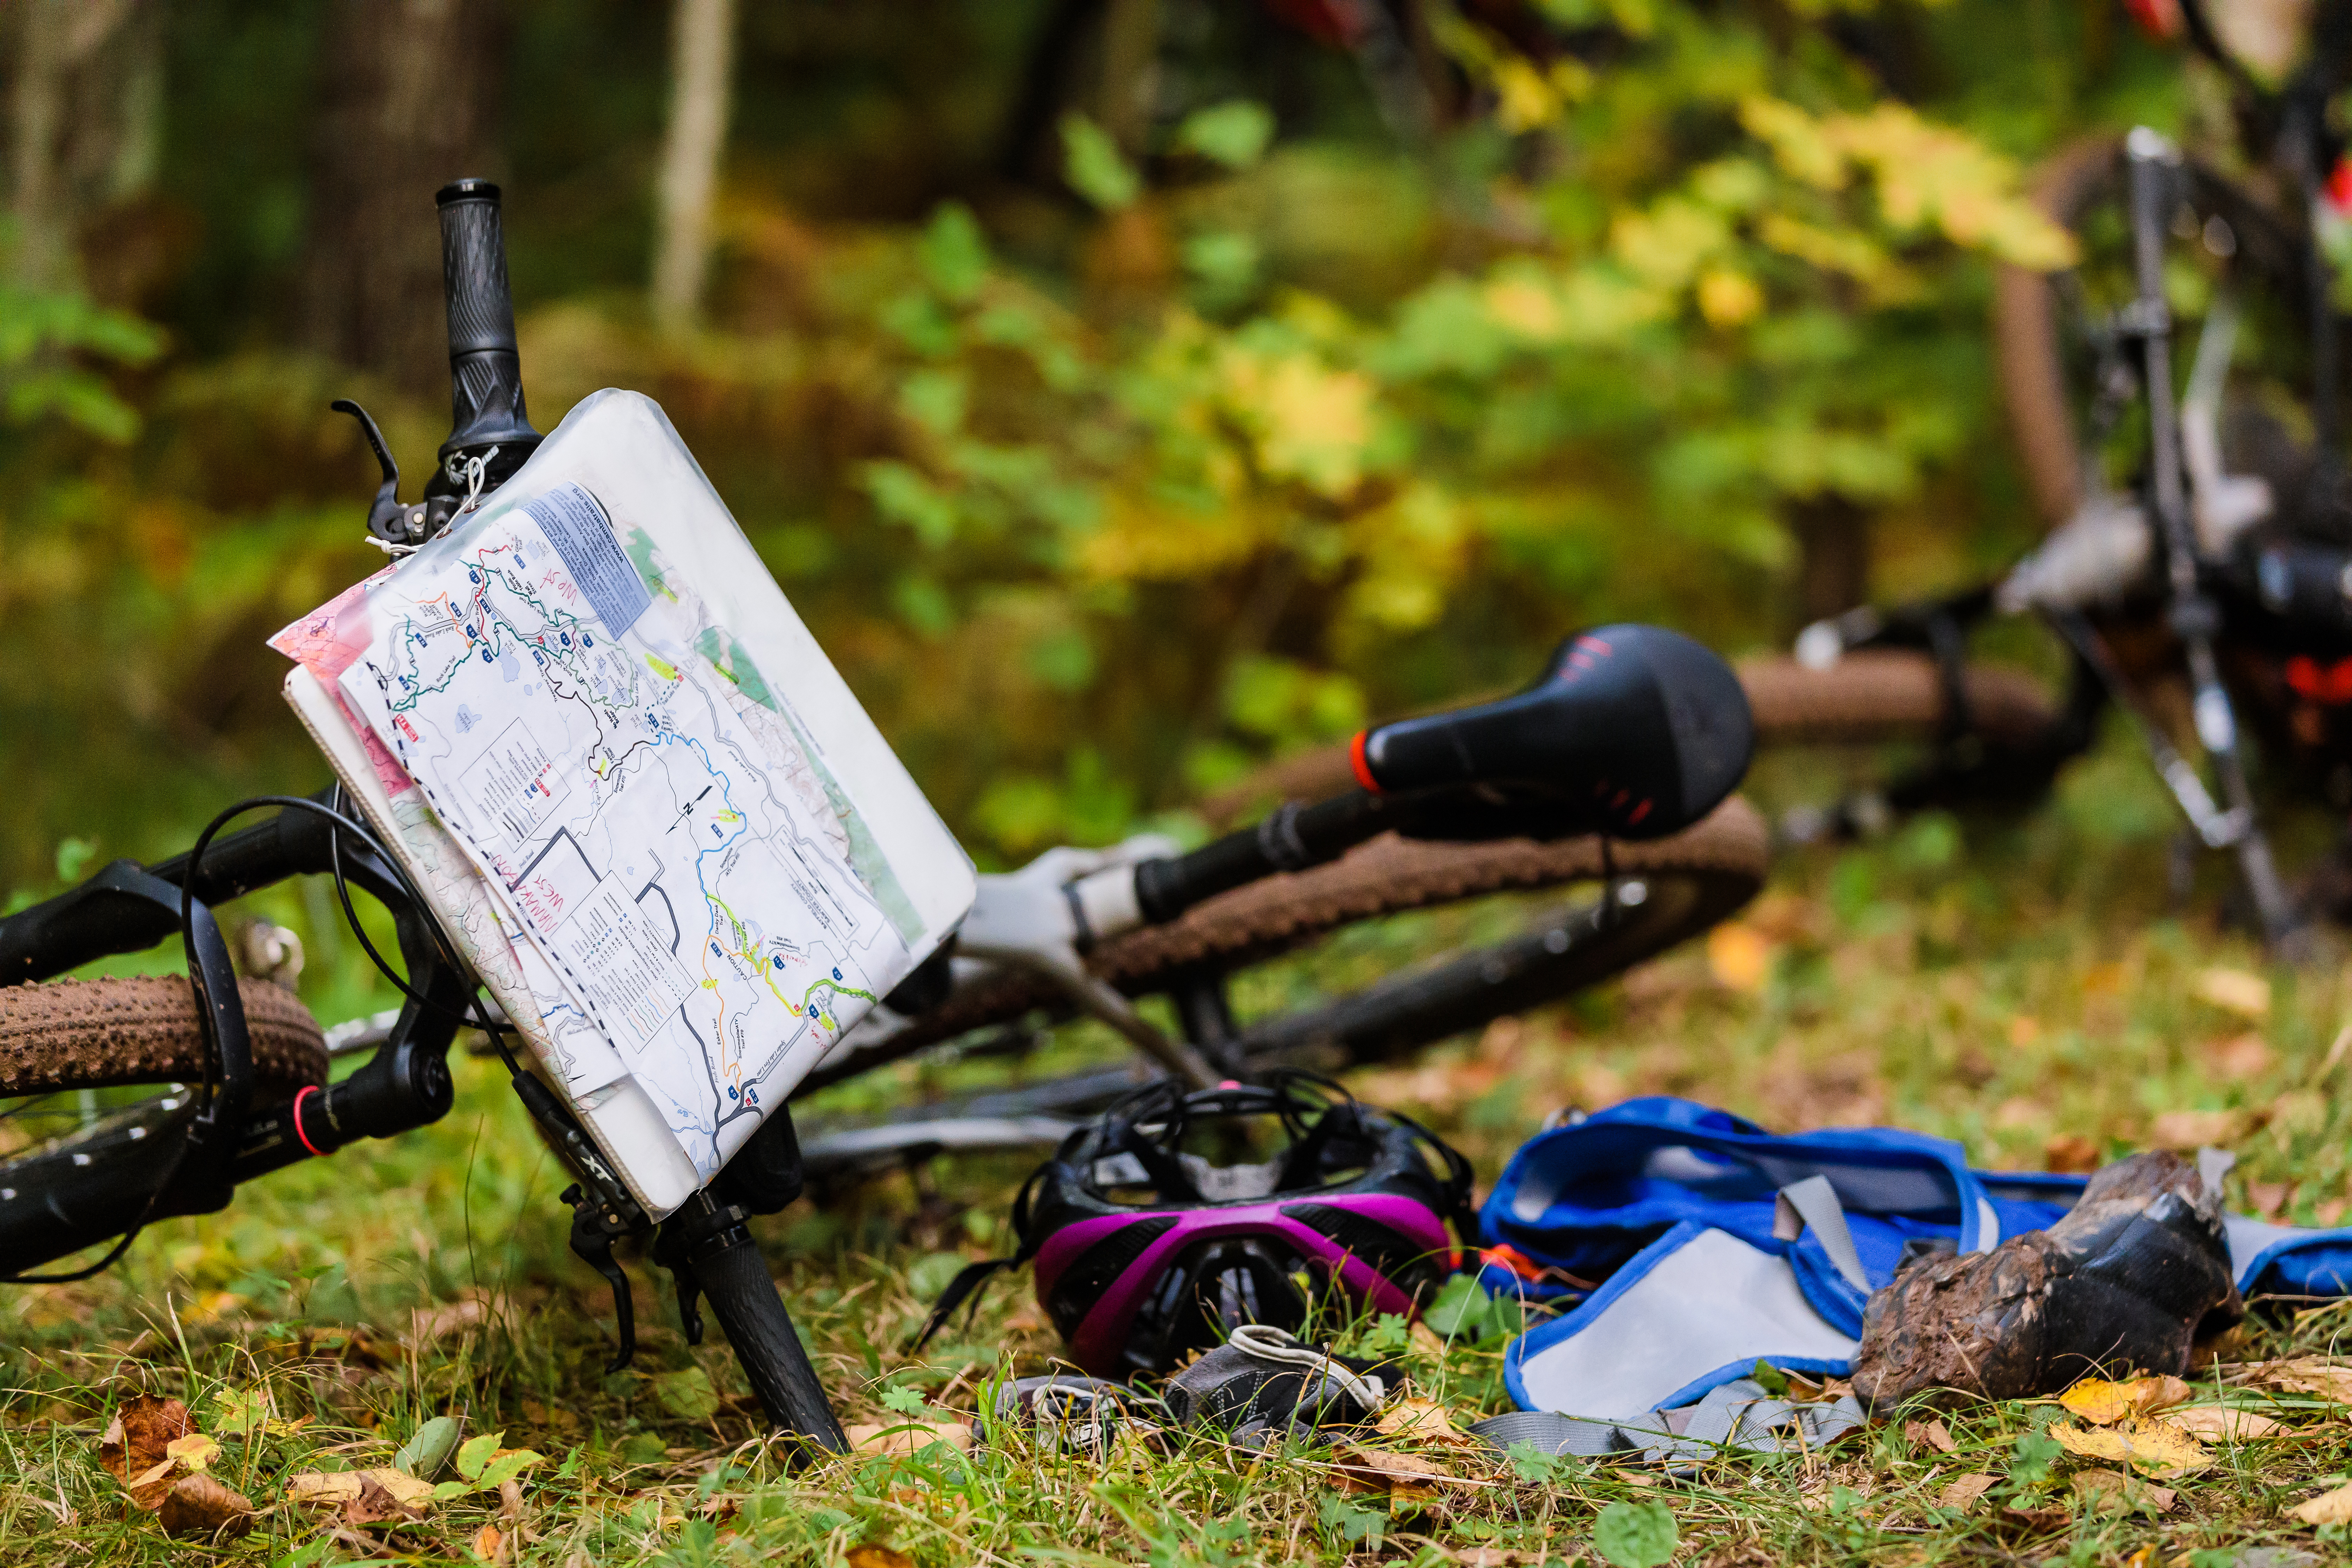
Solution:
(1147, 1250)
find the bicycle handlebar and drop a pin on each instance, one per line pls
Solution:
(487, 416)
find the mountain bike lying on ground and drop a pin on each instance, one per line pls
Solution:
(2199, 569)
(130, 1100)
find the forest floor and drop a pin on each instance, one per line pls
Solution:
(2032, 988)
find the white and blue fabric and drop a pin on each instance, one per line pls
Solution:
(1716, 1245)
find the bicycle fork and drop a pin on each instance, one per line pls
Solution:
(2194, 617)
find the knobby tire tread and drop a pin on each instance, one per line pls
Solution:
(1386, 876)
(1877, 695)
(94, 1034)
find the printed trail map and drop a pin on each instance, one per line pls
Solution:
(643, 806)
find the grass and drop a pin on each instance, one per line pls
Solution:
(2027, 987)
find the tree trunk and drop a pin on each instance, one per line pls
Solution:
(85, 101)
(702, 59)
(409, 100)
(1834, 545)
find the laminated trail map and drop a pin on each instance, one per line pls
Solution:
(655, 819)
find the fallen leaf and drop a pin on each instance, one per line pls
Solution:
(1406, 1477)
(1960, 1494)
(2154, 1444)
(2032, 1519)
(2112, 1491)
(1931, 1434)
(2196, 1129)
(2311, 1374)
(1027, 1320)
(2270, 1198)
(2328, 1508)
(1738, 956)
(334, 1487)
(376, 1505)
(2239, 1058)
(2097, 1400)
(194, 1451)
(510, 1499)
(475, 1453)
(491, 1545)
(878, 1557)
(2070, 1153)
(239, 1411)
(505, 1466)
(907, 1437)
(2238, 991)
(200, 1507)
(135, 1441)
(150, 1487)
(1422, 1418)
(2228, 1425)
(322, 1486)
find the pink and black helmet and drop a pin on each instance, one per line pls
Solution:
(1152, 1239)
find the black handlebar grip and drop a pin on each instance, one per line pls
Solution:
(1291, 839)
(485, 398)
(745, 1302)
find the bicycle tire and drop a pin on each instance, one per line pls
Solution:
(1878, 695)
(2030, 356)
(1684, 885)
(1729, 849)
(96, 1034)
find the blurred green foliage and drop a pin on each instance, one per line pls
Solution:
(1263, 423)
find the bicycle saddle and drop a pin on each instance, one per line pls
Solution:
(1635, 731)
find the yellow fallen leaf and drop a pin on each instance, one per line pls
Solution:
(2328, 1508)
(1423, 1418)
(2153, 1445)
(1738, 957)
(194, 1451)
(907, 1437)
(2095, 1399)
(2235, 991)
(878, 1557)
(2223, 1421)
(490, 1544)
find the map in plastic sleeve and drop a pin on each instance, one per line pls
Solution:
(665, 787)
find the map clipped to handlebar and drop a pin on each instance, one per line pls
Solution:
(647, 808)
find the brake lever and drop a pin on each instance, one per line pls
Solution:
(388, 519)
(592, 1235)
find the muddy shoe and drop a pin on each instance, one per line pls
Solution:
(2135, 1273)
